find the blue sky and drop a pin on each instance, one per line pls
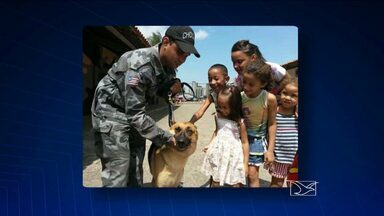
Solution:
(278, 44)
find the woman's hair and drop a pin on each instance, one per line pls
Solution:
(220, 67)
(234, 101)
(261, 70)
(248, 48)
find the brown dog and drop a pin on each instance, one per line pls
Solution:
(167, 162)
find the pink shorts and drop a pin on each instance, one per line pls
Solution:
(279, 170)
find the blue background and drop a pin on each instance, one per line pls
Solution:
(341, 51)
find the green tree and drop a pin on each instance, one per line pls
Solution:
(155, 38)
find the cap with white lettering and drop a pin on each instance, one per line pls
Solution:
(184, 38)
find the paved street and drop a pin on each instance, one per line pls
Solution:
(192, 176)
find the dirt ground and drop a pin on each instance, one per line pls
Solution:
(193, 177)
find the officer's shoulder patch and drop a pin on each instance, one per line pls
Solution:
(133, 79)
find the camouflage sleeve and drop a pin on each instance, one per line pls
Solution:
(136, 86)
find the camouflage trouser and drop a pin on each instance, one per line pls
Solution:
(137, 147)
(121, 150)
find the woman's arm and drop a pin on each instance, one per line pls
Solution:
(272, 108)
(201, 110)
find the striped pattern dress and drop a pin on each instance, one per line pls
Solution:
(287, 141)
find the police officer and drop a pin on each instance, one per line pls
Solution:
(119, 118)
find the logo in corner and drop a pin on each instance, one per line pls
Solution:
(303, 188)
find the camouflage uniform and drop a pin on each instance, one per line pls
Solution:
(119, 120)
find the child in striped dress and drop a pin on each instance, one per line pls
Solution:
(286, 143)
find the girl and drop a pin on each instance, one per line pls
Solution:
(227, 154)
(259, 109)
(243, 52)
(286, 133)
(217, 78)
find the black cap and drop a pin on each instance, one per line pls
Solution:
(184, 38)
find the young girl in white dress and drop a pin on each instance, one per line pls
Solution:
(227, 154)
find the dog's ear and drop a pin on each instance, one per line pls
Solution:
(192, 125)
(172, 129)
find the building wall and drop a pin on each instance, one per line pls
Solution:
(292, 67)
(100, 50)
